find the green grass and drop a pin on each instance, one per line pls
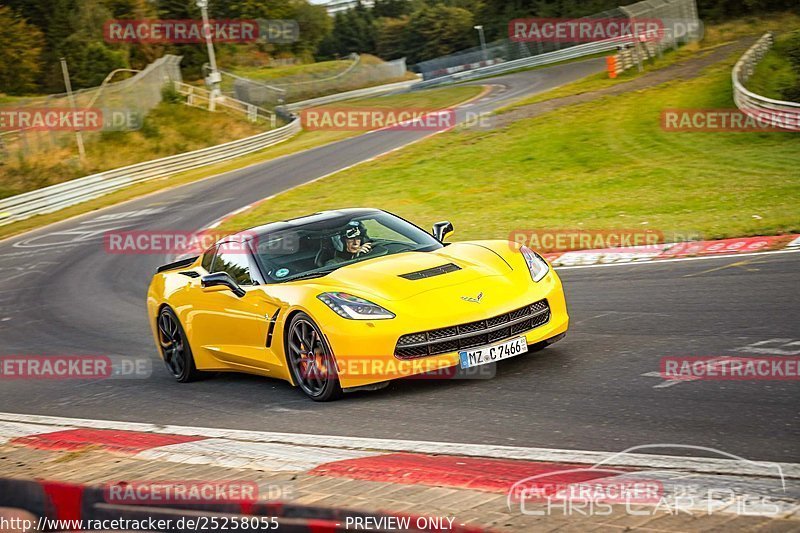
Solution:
(313, 80)
(775, 75)
(601, 165)
(715, 36)
(438, 98)
(6, 99)
(170, 128)
(601, 80)
(324, 69)
(321, 70)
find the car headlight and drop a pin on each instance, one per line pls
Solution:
(353, 307)
(536, 264)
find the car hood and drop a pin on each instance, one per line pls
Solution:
(381, 277)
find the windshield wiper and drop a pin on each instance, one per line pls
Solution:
(312, 274)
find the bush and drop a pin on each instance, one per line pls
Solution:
(789, 47)
(171, 95)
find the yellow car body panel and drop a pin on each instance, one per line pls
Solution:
(228, 333)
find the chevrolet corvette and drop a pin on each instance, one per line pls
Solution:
(350, 300)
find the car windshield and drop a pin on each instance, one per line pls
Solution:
(327, 244)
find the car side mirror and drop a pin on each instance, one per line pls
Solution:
(221, 279)
(442, 230)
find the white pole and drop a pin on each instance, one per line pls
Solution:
(68, 85)
(214, 76)
(483, 42)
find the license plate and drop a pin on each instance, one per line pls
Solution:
(491, 354)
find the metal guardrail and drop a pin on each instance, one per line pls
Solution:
(572, 52)
(200, 97)
(358, 93)
(783, 114)
(55, 197)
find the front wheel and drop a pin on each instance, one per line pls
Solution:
(310, 360)
(175, 347)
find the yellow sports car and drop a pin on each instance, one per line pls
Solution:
(351, 299)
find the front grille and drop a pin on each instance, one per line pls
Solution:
(473, 334)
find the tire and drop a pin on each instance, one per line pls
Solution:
(311, 360)
(174, 346)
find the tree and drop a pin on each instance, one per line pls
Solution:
(438, 30)
(90, 61)
(353, 31)
(315, 25)
(393, 9)
(392, 38)
(89, 58)
(20, 52)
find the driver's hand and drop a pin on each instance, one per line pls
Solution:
(365, 248)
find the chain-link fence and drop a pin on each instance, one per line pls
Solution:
(673, 13)
(123, 101)
(357, 75)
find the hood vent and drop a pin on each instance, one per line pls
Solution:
(431, 272)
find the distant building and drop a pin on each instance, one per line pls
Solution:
(337, 6)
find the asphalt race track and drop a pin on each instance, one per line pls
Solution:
(599, 389)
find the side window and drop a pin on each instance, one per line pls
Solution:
(208, 257)
(235, 260)
(376, 230)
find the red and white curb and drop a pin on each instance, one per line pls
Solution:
(462, 466)
(736, 247)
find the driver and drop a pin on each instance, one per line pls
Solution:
(350, 244)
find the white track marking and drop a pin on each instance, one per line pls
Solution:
(662, 261)
(13, 430)
(252, 455)
(693, 464)
(762, 347)
(711, 363)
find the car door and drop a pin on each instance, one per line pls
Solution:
(234, 329)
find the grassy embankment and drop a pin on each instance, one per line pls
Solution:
(313, 80)
(715, 36)
(776, 76)
(602, 165)
(195, 122)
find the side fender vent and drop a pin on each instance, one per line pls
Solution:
(191, 274)
(431, 272)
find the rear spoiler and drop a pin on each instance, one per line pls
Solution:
(177, 264)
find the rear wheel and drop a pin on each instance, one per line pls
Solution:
(311, 361)
(175, 347)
